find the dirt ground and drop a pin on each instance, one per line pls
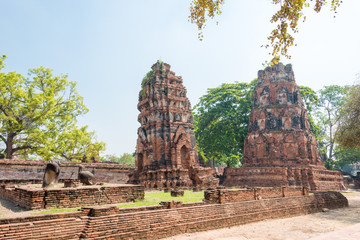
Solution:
(336, 224)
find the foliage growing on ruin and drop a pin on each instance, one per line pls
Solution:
(286, 18)
(34, 111)
(149, 77)
(221, 121)
(348, 132)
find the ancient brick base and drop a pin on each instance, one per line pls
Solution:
(317, 179)
(35, 198)
(170, 178)
(238, 195)
(154, 222)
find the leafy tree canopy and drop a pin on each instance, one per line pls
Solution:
(286, 18)
(348, 132)
(37, 111)
(76, 144)
(221, 121)
(331, 98)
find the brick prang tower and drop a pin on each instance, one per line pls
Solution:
(280, 149)
(166, 154)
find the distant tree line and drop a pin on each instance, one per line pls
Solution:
(125, 159)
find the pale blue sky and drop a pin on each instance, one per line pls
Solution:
(107, 46)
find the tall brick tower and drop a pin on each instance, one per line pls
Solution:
(280, 149)
(166, 153)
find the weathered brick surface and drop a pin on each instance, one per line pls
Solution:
(70, 197)
(22, 171)
(280, 149)
(111, 223)
(166, 154)
(238, 195)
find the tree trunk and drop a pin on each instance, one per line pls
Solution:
(9, 147)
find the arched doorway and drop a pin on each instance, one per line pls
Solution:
(140, 162)
(185, 157)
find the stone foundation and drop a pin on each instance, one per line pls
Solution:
(170, 178)
(37, 198)
(160, 221)
(314, 179)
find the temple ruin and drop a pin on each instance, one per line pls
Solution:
(166, 154)
(280, 149)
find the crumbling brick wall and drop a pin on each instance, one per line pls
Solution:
(70, 197)
(23, 171)
(154, 223)
(238, 195)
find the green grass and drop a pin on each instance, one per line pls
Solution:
(154, 198)
(151, 198)
(344, 193)
(56, 210)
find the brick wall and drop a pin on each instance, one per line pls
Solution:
(154, 223)
(237, 195)
(34, 198)
(20, 171)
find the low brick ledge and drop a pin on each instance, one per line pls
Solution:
(110, 222)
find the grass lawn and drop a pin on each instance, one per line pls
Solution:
(154, 198)
(151, 198)
(56, 210)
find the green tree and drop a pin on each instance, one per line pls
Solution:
(348, 131)
(287, 19)
(345, 156)
(125, 159)
(36, 111)
(331, 99)
(74, 144)
(311, 101)
(221, 122)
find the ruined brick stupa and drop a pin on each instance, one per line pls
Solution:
(280, 149)
(166, 153)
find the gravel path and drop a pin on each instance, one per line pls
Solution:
(343, 223)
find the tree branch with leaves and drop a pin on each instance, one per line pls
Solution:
(287, 19)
